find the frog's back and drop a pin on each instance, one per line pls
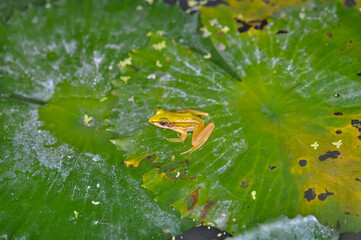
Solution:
(183, 117)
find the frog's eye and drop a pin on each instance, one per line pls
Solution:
(163, 123)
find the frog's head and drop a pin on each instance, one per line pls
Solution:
(159, 119)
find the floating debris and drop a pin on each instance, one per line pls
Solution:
(87, 119)
(158, 64)
(125, 62)
(207, 56)
(315, 145)
(125, 78)
(338, 143)
(225, 29)
(253, 193)
(160, 46)
(205, 32)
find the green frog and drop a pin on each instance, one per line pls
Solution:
(184, 121)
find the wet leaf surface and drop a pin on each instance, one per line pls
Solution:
(298, 105)
(286, 109)
(58, 168)
(282, 91)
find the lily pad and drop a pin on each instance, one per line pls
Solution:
(282, 92)
(58, 168)
(276, 148)
(296, 97)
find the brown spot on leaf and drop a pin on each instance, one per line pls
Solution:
(281, 32)
(329, 34)
(214, 3)
(245, 26)
(256, 24)
(310, 194)
(358, 74)
(329, 154)
(347, 213)
(357, 179)
(349, 3)
(238, 20)
(355, 122)
(338, 132)
(303, 162)
(259, 24)
(244, 184)
(323, 196)
(209, 204)
(192, 199)
(338, 113)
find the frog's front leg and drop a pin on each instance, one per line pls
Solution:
(182, 138)
(200, 135)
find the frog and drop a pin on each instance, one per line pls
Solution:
(184, 121)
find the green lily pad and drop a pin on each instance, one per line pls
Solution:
(277, 147)
(82, 43)
(59, 169)
(296, 97)
(46, 188)
(286, 137)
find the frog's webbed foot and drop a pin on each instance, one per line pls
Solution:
(201, 138)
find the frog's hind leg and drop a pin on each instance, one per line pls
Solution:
(201, 136)
(196, 112)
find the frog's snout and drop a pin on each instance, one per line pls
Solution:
(150, 120)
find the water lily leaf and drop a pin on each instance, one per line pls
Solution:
(305, 99)
(58, 168)
(299, 99)
(45, 188)
(286, 120)
(80, 122)
(184, 79)
(62, 41)
(257, 9)
(286, 136)
(7, 8)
